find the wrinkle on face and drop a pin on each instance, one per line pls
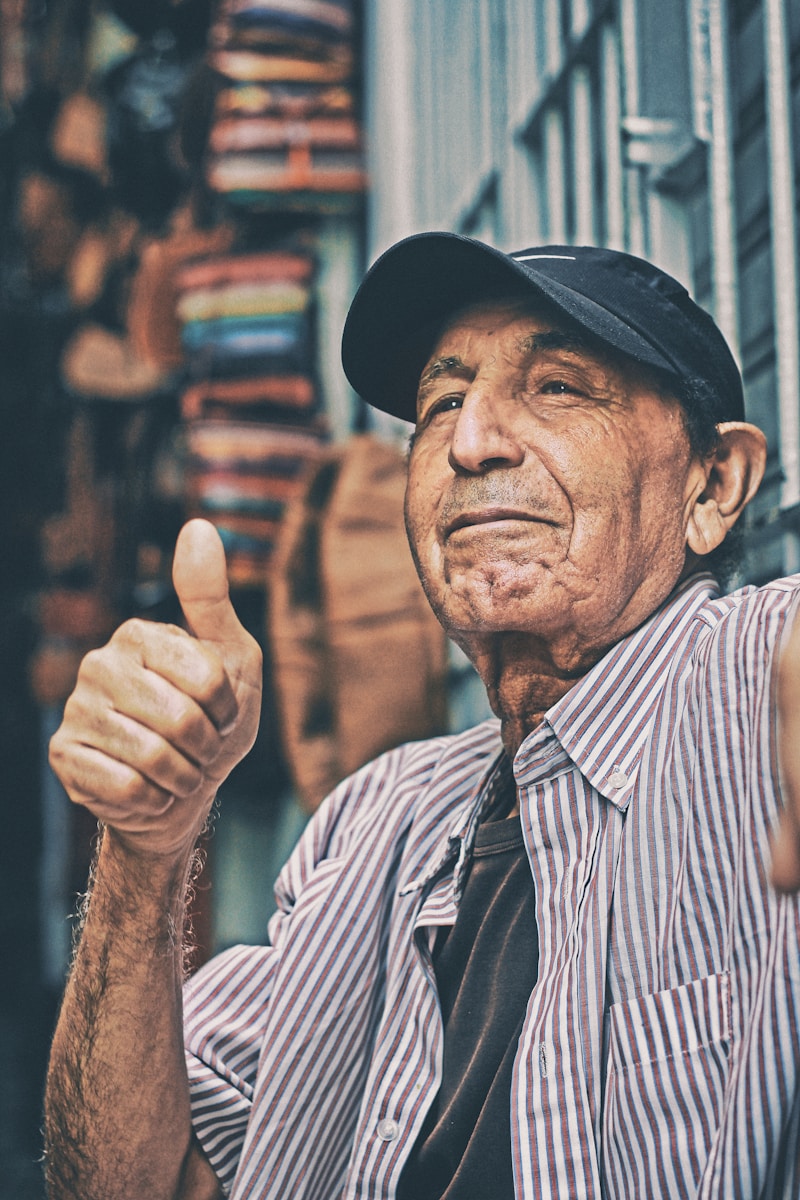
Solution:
(598, 473)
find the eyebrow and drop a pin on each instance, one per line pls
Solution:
(534, 343)
(554, 339)
(448, 364)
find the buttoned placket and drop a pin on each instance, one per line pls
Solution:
(573, 836)
(573, 804)
(577, 775)
(435, 894)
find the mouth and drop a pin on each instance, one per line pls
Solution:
(488, 516)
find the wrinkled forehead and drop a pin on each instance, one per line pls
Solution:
(504, 335)
(520, 315)
(415, 354)
(530, 326)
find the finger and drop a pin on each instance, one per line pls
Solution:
(786, 848)
(126, 741)
(200, 577)
(177, 674)
(785, 872)
(113, 790)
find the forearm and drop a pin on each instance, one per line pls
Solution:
(117, 1121)
(158, 718)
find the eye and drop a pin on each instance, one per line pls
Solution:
(449, 403)
(558, 387)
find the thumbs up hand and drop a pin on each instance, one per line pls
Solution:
(786, 846)
(159, 716)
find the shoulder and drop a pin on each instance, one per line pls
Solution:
(408, 772)
(731, 674)
(775, 596)
(374, 810)
(748, 624)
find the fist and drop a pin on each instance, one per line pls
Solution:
(159, 716)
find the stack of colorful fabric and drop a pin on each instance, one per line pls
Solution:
(285, 136)
(250, 406)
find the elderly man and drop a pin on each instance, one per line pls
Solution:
(542, 958)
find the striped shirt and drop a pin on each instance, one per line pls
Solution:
(660, 1055)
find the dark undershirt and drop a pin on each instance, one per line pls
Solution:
(486, 967)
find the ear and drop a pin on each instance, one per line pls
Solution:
(732, 477)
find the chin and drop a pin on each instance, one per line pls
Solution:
(494, 596)
(465, 617)
(504, 588)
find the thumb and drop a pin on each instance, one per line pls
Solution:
(199, 573)
(786, 856)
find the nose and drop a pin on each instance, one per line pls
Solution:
(483, 438)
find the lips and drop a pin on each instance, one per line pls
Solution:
(487, 516)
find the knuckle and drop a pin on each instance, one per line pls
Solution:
(56, 751)
(155, 759)
(63, 752)
(211, 676)
(92, 664)
(132, 790)
(189, 727)
(137, 627)
(163, 767)
(176, 631)
(99, 671)
(131, 632)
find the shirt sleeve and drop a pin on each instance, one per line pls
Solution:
(225, 1005)
(752, 1153)
(230, 1003)
(227, 1009)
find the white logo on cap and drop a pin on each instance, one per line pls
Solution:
(526, 257)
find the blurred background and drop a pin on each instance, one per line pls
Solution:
(190, 191)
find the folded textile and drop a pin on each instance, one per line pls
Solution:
(238, 268)
(254, 547)
(241, 477)
(285, 98)
(326, 13)
(236, 345)
(301, 169)
(242, 300)
(249, 66)
(314, 28)
(252, 447)
(152, 316)
(261, 398)
(281, 42)
(218, 494)
(240, 395)
(240, 134)
(303, 203)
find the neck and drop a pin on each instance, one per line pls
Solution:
(523, 681)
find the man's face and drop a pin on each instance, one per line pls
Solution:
(549, 486)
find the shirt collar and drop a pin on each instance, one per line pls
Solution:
(602, 722)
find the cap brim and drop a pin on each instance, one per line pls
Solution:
(417, 285)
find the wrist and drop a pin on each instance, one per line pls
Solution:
(167, 844)
(140, 893)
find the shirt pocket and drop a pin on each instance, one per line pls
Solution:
(667, 1067)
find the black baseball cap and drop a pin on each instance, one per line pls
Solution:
(624, 302)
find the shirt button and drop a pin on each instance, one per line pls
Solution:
(617, 779)
(388, 1129)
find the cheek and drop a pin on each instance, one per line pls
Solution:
(420, 506)
(625, 493)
